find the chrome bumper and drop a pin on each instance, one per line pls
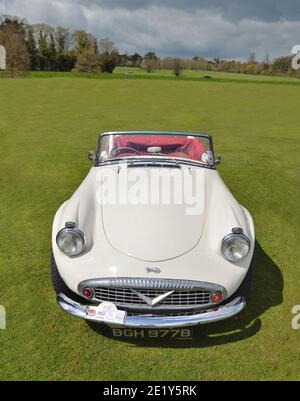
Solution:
(223, 312)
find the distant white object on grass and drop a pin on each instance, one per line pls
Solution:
(129, 73)
(2, 318)
(2, 58)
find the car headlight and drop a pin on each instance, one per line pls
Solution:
(235, 246)
(70, 240)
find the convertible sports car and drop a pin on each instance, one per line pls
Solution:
(152, 238)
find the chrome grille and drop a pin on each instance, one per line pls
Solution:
(125, 296)
(138, 294)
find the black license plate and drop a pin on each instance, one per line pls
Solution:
(181, 334)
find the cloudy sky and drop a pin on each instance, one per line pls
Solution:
(213, 28)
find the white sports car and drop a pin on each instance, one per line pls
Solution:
(152, 238)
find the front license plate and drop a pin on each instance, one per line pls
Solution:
(181, 334)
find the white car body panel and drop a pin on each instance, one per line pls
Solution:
(129, 241)
(158, 232)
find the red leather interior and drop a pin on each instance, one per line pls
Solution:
(172, 146)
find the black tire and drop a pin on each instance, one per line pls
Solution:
(60, 286)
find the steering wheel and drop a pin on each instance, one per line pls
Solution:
(126, 148)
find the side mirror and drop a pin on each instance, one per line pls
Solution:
(218, 160)
(91, 155)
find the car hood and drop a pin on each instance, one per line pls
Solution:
(146, 225)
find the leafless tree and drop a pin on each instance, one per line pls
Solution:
(108, 55)
(175, 64)
(267, 58)
(178, 66)
(252, 58)
(149, 65)
(150, 62)
(17, 57)
(106, 46)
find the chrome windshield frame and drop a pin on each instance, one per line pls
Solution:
(155, 160)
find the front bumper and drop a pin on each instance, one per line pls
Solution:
(223, 312)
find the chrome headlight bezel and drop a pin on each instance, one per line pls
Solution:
(71, 228)
(236, 234)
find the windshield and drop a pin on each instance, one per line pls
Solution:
(123, 146)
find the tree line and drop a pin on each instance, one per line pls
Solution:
(278, 66)
(40, 47)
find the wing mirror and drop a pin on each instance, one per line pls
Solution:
(218, 160)
(91, 155)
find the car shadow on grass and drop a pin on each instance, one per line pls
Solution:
(266, 292)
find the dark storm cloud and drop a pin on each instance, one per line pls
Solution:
(232, 10)
(213, 28)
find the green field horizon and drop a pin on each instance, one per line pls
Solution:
(132, 73)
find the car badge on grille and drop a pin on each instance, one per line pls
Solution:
(153, 270)
(152, 301)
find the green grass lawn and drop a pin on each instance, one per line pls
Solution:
(199, 74)
(46, 127)
(190, 75)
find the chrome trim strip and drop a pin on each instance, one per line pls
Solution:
(156, 283)
(150, 301)
(223, 312)
(143, 132)
(72, 307)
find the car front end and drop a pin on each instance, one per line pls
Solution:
(190, 304)
(152, 266)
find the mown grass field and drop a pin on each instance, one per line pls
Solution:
(46, 127)
(163, 74)
(200, 74)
